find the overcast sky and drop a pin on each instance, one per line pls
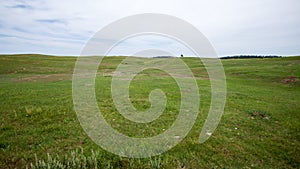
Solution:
(62, 27)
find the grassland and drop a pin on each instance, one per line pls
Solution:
(260, 127)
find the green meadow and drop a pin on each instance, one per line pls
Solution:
(260, 127)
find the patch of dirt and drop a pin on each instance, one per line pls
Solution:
(290, 79)
(146, 75)
(44, 78)
(258, 114)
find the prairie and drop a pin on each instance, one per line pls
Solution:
(260, 127)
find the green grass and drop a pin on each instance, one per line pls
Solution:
(260, 127)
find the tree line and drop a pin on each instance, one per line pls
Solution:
(250, 56)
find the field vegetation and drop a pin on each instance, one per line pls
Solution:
(260, 127)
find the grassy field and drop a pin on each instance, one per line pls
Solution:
(260, 127)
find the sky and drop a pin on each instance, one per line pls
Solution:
(56, 27)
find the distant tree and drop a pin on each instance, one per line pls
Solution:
(181, 55)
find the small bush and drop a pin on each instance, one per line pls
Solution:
(76, 159)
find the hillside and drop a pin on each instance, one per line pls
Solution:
(259, 129)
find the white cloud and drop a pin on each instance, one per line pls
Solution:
(232, 26)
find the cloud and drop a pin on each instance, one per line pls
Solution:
(232, 26)
(160, 45)
(4, 35)
(22, 6)
(51, 21)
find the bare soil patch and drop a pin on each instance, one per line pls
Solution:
(290, 79)
(44, 78)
